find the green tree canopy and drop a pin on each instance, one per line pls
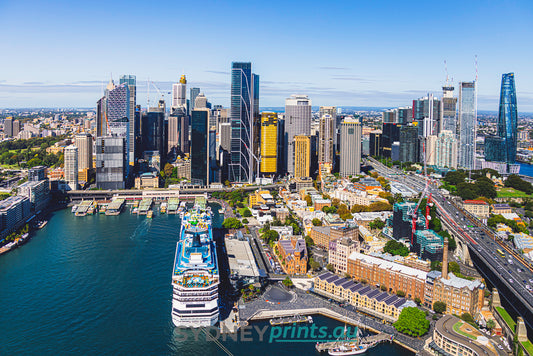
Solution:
(439, 307)
(232, 223)
(514, 181)
(246, 213)
(396, 248)
(316, 222)
(412, 321)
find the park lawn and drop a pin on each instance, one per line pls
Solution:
(511, 193)
(457, 329)
(528, 346)
(507, 318)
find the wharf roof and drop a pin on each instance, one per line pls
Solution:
(240, 257)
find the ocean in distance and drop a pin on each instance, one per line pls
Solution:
(100, 285)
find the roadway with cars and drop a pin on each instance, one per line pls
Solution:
(511, 270)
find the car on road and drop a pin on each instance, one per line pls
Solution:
(511, 280)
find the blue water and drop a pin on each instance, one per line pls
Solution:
(526, 169)
(100, 285)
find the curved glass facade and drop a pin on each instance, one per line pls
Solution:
(508, 117)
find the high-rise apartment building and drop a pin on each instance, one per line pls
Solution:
(71, 166)
(446, 150)
(405, 115)
(244, 102)
(426, 111)
(16, 128)
(331, 110)
(302, 156)
(179, 93)
(467, 112)
(503, 147)
(111, 162)
(326, 134)
(297, 122)
(269, 143)
(350, 162)
(84, 143)
(200, 102)
(131, 82)
(8, 127)
(448, 120)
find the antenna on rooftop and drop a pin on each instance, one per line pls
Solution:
(475, 61)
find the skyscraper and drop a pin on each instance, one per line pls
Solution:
(111, 162)
(200, 160)
(179, 93)
(409, 146)
(269, 143)
(467, 111)
(508, 117)
(84, 143)
(8, 127)
(297, 122)
(153, 131)
(71, 166)
(16, 127)
(194, 94)
(426, 111)
(200, 102)
(350, 147)
(131, 82)
(446, 150)
(243, 105)
(302, 156)
(326, 133)
(448, 113)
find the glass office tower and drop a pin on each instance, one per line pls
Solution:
(243, 106)
(200, 147)
(508, 117)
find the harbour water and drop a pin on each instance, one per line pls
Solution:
(101, 285)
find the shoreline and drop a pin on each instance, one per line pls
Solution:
(268, 314)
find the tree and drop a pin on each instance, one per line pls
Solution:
(417, 301)
(439, 307)
(454, 177)
(330, 267)
(287, 282)
(468, 318)
(309, 200)
(454, 267)
(396, 248)
(452, 244)
(344, 213)
(314, 265)
(246, 213)
(376, 224)
(309, 241)
(518, 183)
(316, 222)
(356, 208)
(270, 236)
(412, 321)
(168, 170)
(400, 293)
(491, 324)
(245, 221)
(232, 223)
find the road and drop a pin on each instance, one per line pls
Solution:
(510, 268)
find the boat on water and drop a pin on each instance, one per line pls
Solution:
(42, 224)
(195, 277)
(150, 214)
(348, 349)
(74, 208)
(345, 346)
(135, 210)
(291, 320)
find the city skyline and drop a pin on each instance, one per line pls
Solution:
(52, 67)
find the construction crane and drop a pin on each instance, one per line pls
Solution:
(156, 88)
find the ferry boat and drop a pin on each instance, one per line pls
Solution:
(163, 208)
(74, 208)
(195, 276)
(150, 214)
(42, 224)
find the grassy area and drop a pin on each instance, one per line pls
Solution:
(528, 346)
(511, 193)
(457, 329)
(507, 318)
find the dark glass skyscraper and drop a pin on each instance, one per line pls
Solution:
(244, 104)
(508, 117)
(200, 146)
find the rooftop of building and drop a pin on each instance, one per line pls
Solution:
(392, 266)
(240, 257)
(476, 202)
(459, 283)
(10, 201)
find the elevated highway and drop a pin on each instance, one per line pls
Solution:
(505, 269)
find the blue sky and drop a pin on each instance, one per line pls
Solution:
(356, 53)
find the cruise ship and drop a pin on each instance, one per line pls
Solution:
(195, 276)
